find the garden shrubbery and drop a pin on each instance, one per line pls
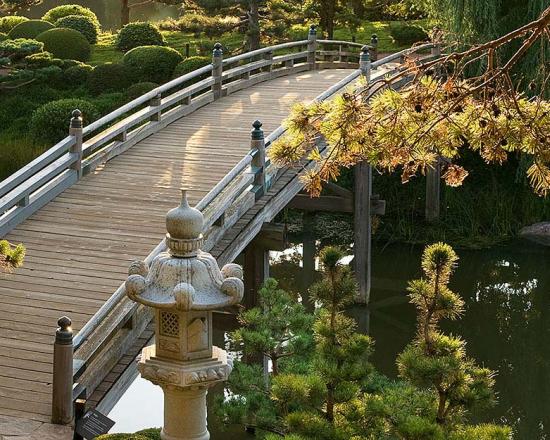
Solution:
(85, 25)
(110, 77)
(79, 74)
(9, 22)
(30, 29)
(406, 35)
(66, 44)
(59, 12)
(190, 64)
(107, 102)
(3, 36)
(43, 59)
(138, 34)
(153, 63)
(199, 23)
(136, 90)
(20, 48)
(50, 122)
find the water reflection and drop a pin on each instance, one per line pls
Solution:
(506, 324)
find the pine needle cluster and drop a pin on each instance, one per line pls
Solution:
(11, 256)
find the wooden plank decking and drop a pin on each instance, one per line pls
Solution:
(79, 245)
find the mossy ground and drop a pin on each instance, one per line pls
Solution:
(146, 434)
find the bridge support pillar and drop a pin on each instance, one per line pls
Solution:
(433, 192)
(256, 271)
(362, 230)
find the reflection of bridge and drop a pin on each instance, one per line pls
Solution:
(90, 204)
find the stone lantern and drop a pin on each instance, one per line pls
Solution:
(184, 285)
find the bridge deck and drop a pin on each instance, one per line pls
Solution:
(80, 244)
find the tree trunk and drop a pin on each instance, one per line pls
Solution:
(124, 13)
(254, 25)
(327, 15)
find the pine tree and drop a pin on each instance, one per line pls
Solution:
(437, 361)
(11, 256)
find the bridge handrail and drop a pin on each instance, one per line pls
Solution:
(342, 42)
(264, 50)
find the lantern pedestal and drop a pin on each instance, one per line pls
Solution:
(185, 385)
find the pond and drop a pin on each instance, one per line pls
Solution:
(506, 324)
(109, 11)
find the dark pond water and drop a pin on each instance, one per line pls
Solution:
(506, 325)
(108, 11)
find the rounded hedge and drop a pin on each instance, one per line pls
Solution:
(43, 59)
(406, 35)
(79, 74)
(190, 64)
(138, 89)
(152, 63)
(85, 25)
(110, 77)
(107, 102)
(9, 22)
(58, 12)
(66, 44)
(50, 122)
(30, 29)
(138, 34)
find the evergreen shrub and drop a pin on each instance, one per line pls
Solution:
(50, 122)
(20, 48)
(59, 12)
(107, 102)
(190, 64)
(29, 29)
(79, 74)
(406, 35)
(66, 44)
(9, 22)
(85, 25)
(138, 89)
(110, 77)
(153, 63)
(43, 59)
(138, 34)
(3, 36)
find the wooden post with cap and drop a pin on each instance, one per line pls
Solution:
(62, 382)
(217, 70)
(75, 129)
(374, 47)
(362, 209)
(257, 146)
(311, 46)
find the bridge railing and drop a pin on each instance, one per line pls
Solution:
(87, 147)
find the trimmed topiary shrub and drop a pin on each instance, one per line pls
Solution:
(406, 35)
(107, 102)
(138, 34)
(30, 29)
(9, 22)
(190, 64)
(77, 75)
(43, 59)
(50, 122)
(153, 63)
(136, 90)
(66, 44)
(18, 49)
(110, 77)
(85, 25)
(58, 12)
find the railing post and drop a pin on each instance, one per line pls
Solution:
(374, 46)
(155, 102)
(311, 47)
(436, 40)
(268, 56)
(62, 383)
(217, 70)
(257, 145)
(75, 129)
(364, 62)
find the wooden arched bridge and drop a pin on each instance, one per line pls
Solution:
(96, 200)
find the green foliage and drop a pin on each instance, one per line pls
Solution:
(152, 63)
(138, 89)
(11, 256)
(110, 77)
(50, 122)
(59, 12)
(9, 22)
(107, 102)
(197, 24)
(138, 34)
(66, 44)
(407, 35)
(146, 434)
(85, 25)
(3, 36)
(43, 59)
(190, 64)
(19, 48)
(436, 361)
(77, 75)
(30, 29)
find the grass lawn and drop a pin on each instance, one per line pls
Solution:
(105, 50)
